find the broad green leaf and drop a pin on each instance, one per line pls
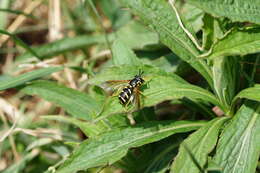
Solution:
(225, 78)
(76, 103)
(159, 86)
(136, 36)
(26, 77)
(19, 42)
(112, 146)
(236, 10)
(167, 88)
(160, 17)
(238, 149)
(127, 72)
(237, 42)
(252, 93)
(88, 128)
(193, 15)
(122, 54)
(63, 45)
(200, 144)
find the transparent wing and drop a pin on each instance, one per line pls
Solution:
(114, 86)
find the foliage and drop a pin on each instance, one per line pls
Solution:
(199, 105)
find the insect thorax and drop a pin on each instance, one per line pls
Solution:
(137, 81)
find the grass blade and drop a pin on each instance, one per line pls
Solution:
(21, 43)
(26, 77)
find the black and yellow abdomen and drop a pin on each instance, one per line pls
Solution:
(126, 94)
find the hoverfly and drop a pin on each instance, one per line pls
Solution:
(131, 92)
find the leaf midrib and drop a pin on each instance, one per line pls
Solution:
(185, 89)
(246, 133)
(136, 139)
(218, 53)
(181, 42)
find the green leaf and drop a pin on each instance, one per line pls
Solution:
(168, 63)
(26, 77)
(136, 36)
(63, 45)
(39, 143)
(88, 128)
(236, 10)
(238, 149)
(167, 88)
(160, 17)
(112, 146)
(252, 93)
(200, 144)
(225, 78)
(21, 43)
(163, 156)
(237, 42)
(76, 103)
(122, 54)
(159, 86)
(211, 31)
(115, 13)
(193, 15)
(126, 72)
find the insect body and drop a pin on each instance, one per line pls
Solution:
(127, 94)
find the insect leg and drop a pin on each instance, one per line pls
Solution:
(140, 92)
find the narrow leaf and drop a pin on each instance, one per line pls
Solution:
(159, 16)
(76, 103)
(239, 147)
(200, 144)
(21, 43)
(17, 12)
(237, 42)
(26, 77)
(225, 78)
(112, 146)
(63, 45)
(252, 93)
